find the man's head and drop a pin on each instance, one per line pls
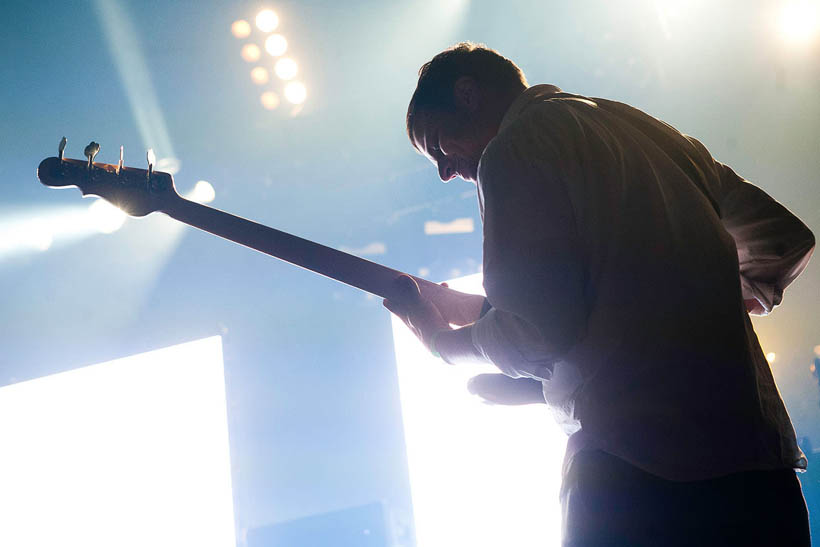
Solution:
(461, 96)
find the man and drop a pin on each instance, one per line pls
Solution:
(620, 261)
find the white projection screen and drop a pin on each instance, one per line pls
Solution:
(132, 452)
(480, 475)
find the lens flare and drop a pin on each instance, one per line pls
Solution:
(295, 92)
(105, 217)
(259, 75)
(286, 68)
(203, 192)
(800, 22)
(267, 20)
(241, 28)
(276, 45)
(270, 100)
(251, 52)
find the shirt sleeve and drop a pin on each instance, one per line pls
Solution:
(773, 245)
(533, 274)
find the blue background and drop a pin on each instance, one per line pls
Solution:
(314, 414)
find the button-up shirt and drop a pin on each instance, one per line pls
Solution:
(617, 257)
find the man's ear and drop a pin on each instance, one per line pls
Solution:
(467, 93)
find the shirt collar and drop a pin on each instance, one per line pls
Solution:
(529, 96)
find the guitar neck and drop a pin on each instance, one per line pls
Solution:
(349, 269)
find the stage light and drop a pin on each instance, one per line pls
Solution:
(241, 28)
(105, 217)
(480, 475)
(259, 75)
(267, 20)
(124, 41)
(771, 356)
(251, 52)
(799, 22)
(203, 192)
(276, 45)
(29, 234)
(295, 92)
(40, 237)
(128, 452)
(270, 100)
(457, 226)
(286, 68)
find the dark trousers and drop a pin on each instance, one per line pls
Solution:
(607, 502)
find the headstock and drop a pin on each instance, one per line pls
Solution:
(136, 191)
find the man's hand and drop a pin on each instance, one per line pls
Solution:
(457, 308)
(420, 314)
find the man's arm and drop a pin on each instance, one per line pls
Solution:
(773, 245)
(533, 270)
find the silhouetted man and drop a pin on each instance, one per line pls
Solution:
(620, 263)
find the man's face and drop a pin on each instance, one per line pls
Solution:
(454, 143)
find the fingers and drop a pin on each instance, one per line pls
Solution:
(407, 288)
(394, 307)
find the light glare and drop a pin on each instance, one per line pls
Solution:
(286, 68)
(203, 192)
(129, 452)
(241, 28)
(251, 53)
(480, 475)
(270, 100)
(105, 217)
(771, 356)
(799, 22)
(259, 75)
(276, 45)
(295, 92)
(267, 20)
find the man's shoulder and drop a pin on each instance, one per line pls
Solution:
(543, 131)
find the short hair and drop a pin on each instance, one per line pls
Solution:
(437, 77)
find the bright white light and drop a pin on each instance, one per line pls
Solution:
(799, 21)
(267, 20)
(295, 92)
(129, 452)
(241, 28)
(169, 165)
(203, 192)
(31, 234)
(41, 238)
(105, 217)
(457, 226)
(771, 356)
(276, 45)
(375, 248)
(270, 100)
(480, 475)
(251, 52)
(286, 68)
(259, 75)
(121, 34)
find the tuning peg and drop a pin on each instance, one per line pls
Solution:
(63, 142)
(149, 155)
(90, 151)
(119, 165)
